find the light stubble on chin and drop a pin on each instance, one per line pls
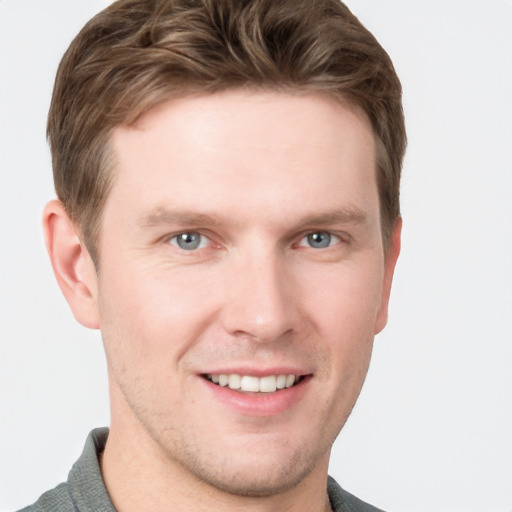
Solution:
(228, 476)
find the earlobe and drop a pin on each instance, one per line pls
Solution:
(390, 260)
(71, 264)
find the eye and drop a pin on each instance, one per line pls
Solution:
(189, 241)
(319, 240)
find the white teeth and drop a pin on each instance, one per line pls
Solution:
(234, 381)
(267, 384)
(290, 381)
(281, 382)
(250, 384)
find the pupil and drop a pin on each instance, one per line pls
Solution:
(189, 241)
(319, 240)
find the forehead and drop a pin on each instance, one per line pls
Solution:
(265, 147)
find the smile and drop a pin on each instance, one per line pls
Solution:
(249, 383)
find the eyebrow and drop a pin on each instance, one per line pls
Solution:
(350, 215)
(162, 216)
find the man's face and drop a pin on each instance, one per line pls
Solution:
(241, 238)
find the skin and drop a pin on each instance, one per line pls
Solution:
(254, 174)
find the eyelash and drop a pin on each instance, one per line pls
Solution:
(202, 239)
(330, 236)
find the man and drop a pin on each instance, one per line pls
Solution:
(228, 217)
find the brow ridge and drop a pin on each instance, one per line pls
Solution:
(164, 216)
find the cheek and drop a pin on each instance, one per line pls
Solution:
(346, 301)
(154, 322)
(151, 317)
(345, 310)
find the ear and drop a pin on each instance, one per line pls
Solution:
(72, 264)
(390, 258)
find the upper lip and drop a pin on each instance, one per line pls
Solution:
(258, 372)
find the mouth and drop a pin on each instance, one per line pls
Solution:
(252, 384)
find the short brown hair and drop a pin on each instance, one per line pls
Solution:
(138, 53)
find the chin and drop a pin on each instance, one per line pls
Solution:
(267, 473)
(257, 482)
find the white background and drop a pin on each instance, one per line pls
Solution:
(433, 428)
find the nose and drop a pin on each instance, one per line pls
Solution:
(261, 301)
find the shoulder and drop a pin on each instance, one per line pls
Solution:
(343, 501)
(84, 491)
(55, 500)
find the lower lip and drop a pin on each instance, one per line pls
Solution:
(258, 404)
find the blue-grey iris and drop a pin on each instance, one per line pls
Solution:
(319, 239)
(188, 241)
